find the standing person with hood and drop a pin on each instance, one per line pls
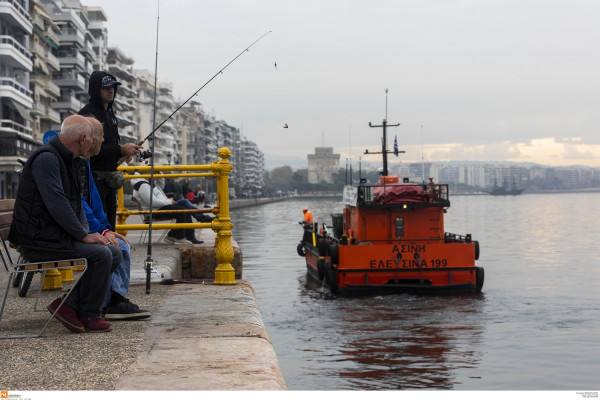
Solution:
(103, 90)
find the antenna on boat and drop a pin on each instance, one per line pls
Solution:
(359, 170)
(350, 150)
(346, 171)
(384, 150)
(422, 156)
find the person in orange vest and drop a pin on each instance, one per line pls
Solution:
(307, 223)
(308, 218)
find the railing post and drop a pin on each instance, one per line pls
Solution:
(121, 216)
(224, 273)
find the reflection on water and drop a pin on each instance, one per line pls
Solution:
(534, 327)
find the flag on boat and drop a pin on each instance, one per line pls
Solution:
(396, 145)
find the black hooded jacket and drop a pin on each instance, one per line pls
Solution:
(110, 152)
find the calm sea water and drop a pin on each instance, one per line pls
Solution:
(535, 326)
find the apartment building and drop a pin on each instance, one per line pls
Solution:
(48, 50)
(42, 43)
(251, 168)
(16, 99)
(121, 67)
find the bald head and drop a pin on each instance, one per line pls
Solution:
(77, 134)
(98, 135)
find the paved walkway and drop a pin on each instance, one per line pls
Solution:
(200, 337)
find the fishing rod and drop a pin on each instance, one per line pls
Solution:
(202, 87)
(149, 262)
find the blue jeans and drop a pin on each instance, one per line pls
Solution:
(119, 279)
(200, 217)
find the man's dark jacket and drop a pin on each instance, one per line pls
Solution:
(32, 225)
(110, 152)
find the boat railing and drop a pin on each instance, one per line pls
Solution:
(453, 237)
(416, 195)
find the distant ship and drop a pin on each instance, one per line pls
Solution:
(504, 191)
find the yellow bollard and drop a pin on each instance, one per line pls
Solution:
(52, 280)
(224, 273)
(66, 275)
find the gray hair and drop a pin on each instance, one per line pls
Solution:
(75, 125)
(96, 126)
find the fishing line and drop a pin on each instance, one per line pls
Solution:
(203, 86)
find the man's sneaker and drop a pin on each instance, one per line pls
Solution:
(172, 240)
(95, 325)
(196, 241)
(124, 311)
(67, 316)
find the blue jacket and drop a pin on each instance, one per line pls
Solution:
(94, 212)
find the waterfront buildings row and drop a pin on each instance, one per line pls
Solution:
(48, 50)
(484, 176)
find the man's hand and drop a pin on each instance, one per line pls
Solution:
(122, 237)
(111, 237)
(95, 238)
(129, 150)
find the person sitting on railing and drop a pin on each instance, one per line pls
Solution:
(142, 193)
(199, 216)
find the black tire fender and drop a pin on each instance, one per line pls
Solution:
(321, 268)
(300, 249)
(334, 254)
(479, 277)
(476, 249)
(330, 276)
(322, 246)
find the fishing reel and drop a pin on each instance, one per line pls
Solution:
(144, 155)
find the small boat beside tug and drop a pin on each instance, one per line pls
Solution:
(390, 237)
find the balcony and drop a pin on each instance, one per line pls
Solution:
(52, 61)
(19, 56)
(14, 90)
(52, 37)
(8, 125)
(16, 14)
(45, 112)
(71, 105)
(72, 59)
(52, 88)
(70, 80)
(72, 36)
(88, 50)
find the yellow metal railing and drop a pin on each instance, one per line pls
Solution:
(221, 225)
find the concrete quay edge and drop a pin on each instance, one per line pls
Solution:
(202, 336)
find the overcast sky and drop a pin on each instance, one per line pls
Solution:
(470, 79)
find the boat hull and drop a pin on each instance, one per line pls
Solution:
(345, 273)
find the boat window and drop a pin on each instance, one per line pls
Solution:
(399, 223)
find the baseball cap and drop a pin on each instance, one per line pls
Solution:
(108, 81)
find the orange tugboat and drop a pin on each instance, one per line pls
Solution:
(390, 237)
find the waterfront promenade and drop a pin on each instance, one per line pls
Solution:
(200, 337)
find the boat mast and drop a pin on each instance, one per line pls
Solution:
(384, 150)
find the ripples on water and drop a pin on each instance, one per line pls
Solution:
(535, 326)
